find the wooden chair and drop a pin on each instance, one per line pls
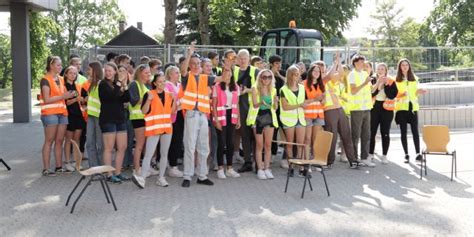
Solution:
(96, 173)
(5, 164)
(436, 138)
(321, 148)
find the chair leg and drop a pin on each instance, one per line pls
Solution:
(325, 182)
(309, 180)
(455, 164)
(304, 185)
(74, 189)
(102, 180)
(287, 178)
(80, 195)
(5, 164)
(421, 167)
(426, 167)
(452, 167)
(110, 194)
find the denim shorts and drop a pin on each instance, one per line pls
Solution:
(315, 122)
(298, 125)
(54, 119)
(113, 127)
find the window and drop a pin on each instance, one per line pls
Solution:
(312, 54)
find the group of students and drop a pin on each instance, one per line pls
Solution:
(204, 109)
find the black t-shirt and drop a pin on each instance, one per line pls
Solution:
(145, 98)
(74, 109)
(245, 79)
(111, 103)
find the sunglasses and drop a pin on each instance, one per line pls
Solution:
(269, 77)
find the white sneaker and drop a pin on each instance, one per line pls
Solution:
(220, 174)
(231, 173)
(69, 167)
(138, 180)
(268, 173)
(367, 162)
(261, 174)
(175, 172)
(383, 159)
(370, 157)
(237, 158)
(162, 182)
(284, 164)
(152, 172)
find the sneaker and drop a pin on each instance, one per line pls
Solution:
(69, 167)
(370, 157)
(205, 182)
(419, 158)
(186, 183)
(114, 179)
(175, 172)
(237, 158)
(49, 173)
(407, 159)
(284, 164)
(368, 163)
(152, 172)
(303, 173)
(162, 182)
(61, 170)
(247, 167)
(354, 164)
(231, 173)
(268, 173)
(139, 181)
(261, 174)
(123, 177)
(383, 159)
(220, 174)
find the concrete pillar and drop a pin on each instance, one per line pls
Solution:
(20, 41)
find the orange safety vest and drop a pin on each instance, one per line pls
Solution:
(388, 104)
(158, 121)
(316, 109)
(58, 107)
(196, 94)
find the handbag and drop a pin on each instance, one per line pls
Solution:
(264, 120)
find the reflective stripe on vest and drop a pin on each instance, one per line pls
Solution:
(388, 104)
(362, 100)
(58, 107)
(158, 120)
(135, 111)
(93, 102)
(196, 95)
(290, 118)
(253, 112)
(315, 109)
(403, 102)
(252, 78)
(222, 101)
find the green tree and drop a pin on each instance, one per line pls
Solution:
(39, 50)
(84, 24)
(5, 61)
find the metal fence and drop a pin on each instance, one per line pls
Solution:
(429, 63)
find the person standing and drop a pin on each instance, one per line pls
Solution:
(384, 92)
(361, 104)
(407, 106)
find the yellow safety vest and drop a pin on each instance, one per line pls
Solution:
(253, 112)
(291, 117)
(403, 102)
(135, 111)
(362, 100)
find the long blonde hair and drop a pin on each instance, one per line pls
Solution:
(290, 73)
(260, 85)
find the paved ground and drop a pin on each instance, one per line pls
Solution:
(388, 200)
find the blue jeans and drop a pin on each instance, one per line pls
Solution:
(94, 141)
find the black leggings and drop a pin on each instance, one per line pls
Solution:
(225, 140)
(382, 117)
(402, 119)
(176, 146)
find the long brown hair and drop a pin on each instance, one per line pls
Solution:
(97, 74)
(114, 66)
(310, 79)
(410, 75)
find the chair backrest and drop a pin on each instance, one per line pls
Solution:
(436, 138)
(322, 146)
(76, 152)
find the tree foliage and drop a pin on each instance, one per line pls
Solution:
(5, 61)
(40, 25)
(83, 24)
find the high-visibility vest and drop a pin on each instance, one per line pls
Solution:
(135, 111)
(402, 102)
(362, 99)
(315, 109)
(331, 88)
(290, 118)
(219, 71)
(58, 107)
(253, 112)
(93, 99)
(388, 104)
(252, 74)
(221, 105)
(196, 94)
(158, 121)
(80, 80)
